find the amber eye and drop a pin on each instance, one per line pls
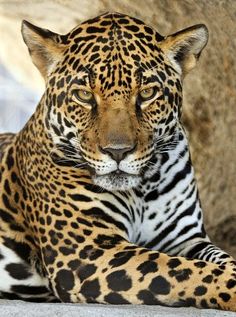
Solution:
(148, 93)
(83, 95)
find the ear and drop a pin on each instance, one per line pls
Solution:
(43, 47)
(184, 48)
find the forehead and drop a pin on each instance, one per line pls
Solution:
(115, 50)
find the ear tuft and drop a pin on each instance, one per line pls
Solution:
(184, 48)
(42, 45)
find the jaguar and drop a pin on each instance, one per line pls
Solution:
(98, 198)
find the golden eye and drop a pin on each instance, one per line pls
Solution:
(83, 95)
(148, 93)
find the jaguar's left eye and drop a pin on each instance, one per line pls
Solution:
(148, 93)
(83, 95)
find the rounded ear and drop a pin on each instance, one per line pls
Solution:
(43, 47)
(184, 48)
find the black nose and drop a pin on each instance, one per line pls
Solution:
(118, 154)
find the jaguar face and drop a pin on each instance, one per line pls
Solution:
(113, 93)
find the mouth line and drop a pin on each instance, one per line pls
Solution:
(117, 173)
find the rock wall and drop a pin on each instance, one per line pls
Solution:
(210, 90)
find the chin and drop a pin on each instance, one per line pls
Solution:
(117, 182)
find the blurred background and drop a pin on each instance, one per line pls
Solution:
(209, 91)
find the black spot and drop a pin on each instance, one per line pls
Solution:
(90, 290)
(18, 271)
(7, 187)
(116, 299)
(200, 264)
(147, 267)
(173, 263)
(217, 272)
(181, 275)
(8, 204)
(67, 250)
(29, 290)
(107, 242)
(85, 271)
(93, 29)
(49, 255)
(152, 216)
(226, 297)
(207, 279)
(99, 224)
(59, 224)
(76, 237)
(231, 283)
(10, 160)
(60, 99)
(200, 290)
(204, 304)
(132, 28)
(89, 252)
(119, 281)
(147, 298)
(5, 216)
(159, 285)
(87, 232)
(21, 249)
(74, 264)
(121, 258)
(213, 300)
(152, 195)
(77, 197)
(153, 256)
(64, 282)
(74, 225)
(17, 227)
(84, 222)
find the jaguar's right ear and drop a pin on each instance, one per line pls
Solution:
(45, 51)
(184, 47)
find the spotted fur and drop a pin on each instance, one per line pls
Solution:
(98, 198)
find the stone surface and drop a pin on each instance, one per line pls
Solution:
(19, 309)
